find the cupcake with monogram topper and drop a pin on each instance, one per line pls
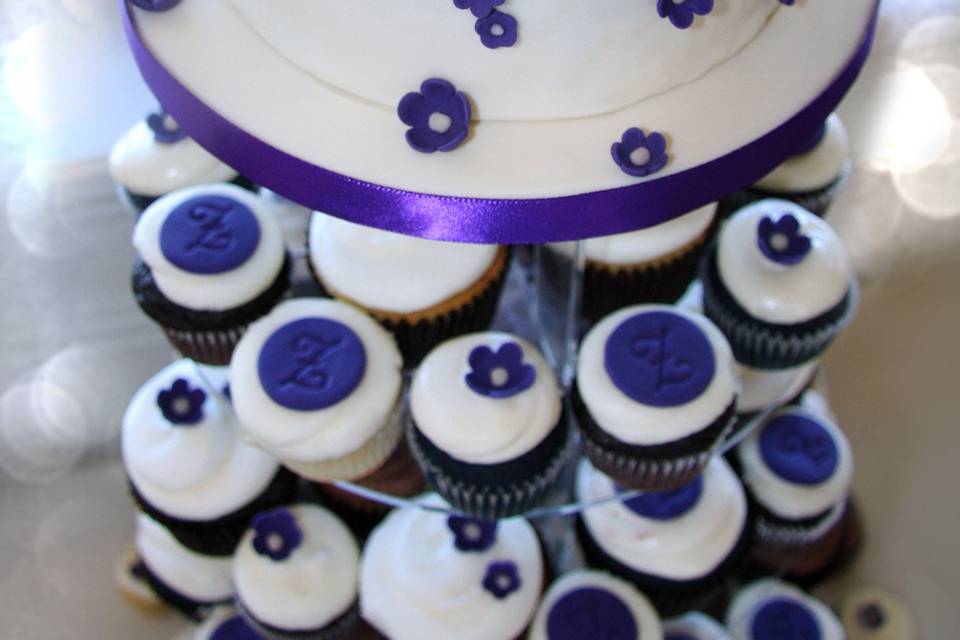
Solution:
(770, 609)
(487, 425)
(211, 260)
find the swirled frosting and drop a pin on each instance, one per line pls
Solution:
(750, 599)
(814, 169)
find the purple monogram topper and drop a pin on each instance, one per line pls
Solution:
(681, 12)
(182, 404)
(798, 449)
(666, 505)
(501, 579)
(438, 116)
(276, 534)
(638, 154)
(472, 535)
(501, 373)
(209, 234)
(591, 612)
(234, 628)
(165, 129)
(782, 241)
(784, 619)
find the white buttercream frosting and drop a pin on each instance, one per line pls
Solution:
(150, 168)
(322, 434)
(790, 499)
(645, 616)
(750, 598)
(775, 293)
(697, 626)
(683, 548)
(389, 271)
(814, 169)
(640, 424)
(212, 622)
(314, 585)
(201, 578)
(476, 428)
(198, 471)
(211, 291)
(415, 584)
(763, 388)
(647, 244)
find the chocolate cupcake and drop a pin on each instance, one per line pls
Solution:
(486, 424)
(779, 285)
(188, 465)
(694, 626)
(426, 574)
(423, 291)
(211, 261)
(654, 395)
(773, 610)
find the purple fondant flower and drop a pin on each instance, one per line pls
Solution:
(782, 241)
(497, 30)
(638, 154)
(479, 8)
(681, 12)
(277, 534)
(501, 579)
(156, 5)
(472, 535)
(165, 129)
(501, 373)
(438, 116)
(181, 404)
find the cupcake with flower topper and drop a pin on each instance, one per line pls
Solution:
(188, 465)
(770, 609)
(296, 572)
(428, 574)
(779, 285)
(486, 424)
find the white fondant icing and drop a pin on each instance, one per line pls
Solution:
(149, 168)
(639, 424)
(775, 293)
(815, 169)
(473, 427)
(747, 601)
(788, 499)
(332, 432)
(648, 622)
(313, 586)
(696, 625)
(684, 548)
(196, 472)
(415, 584)
(215, 291)
(645, 245)
(201, 578)
(763, 388)
(391, 272)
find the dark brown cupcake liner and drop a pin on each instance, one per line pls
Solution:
(340, 628)
(193, 609)
(206, 347)
(219, 537)
(817, 201)
(787, 538)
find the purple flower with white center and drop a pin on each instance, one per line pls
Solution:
(501, 373)
(277, 534)
(156, 5)
(438, 116)
(181, 404)
(472, 535)
(479, 8)
(782, 241)
(165, 129)
(638, 154)
(681, 12)
(501, 579)
(497, 30)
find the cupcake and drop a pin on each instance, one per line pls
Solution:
(797, 468)
(486, 424)
(779, 285)
(427, 575)
(773, 610)
(211, 261)
(811, 177)
(765, 390)
(423, 291)
(188, 581)
(870, 613)
(694, 626)
(676, 546)
(156, 157)
(654, 394)
(592, 604)
(655, 264)
(225, 623)
(318, 384)
(187, 464)
(296, 572)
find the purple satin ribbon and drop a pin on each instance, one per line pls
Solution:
(481, 220)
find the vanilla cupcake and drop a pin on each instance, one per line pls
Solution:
(423, 291)
(211, 260)
(654, 395)
(779, 285)
(487, 425)
(156, 157)
(425, 575)
(765, 390)
(296, 573)
(592, 604)
(694, 626)
(676, 546)
(188, 465)
(773, 610)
